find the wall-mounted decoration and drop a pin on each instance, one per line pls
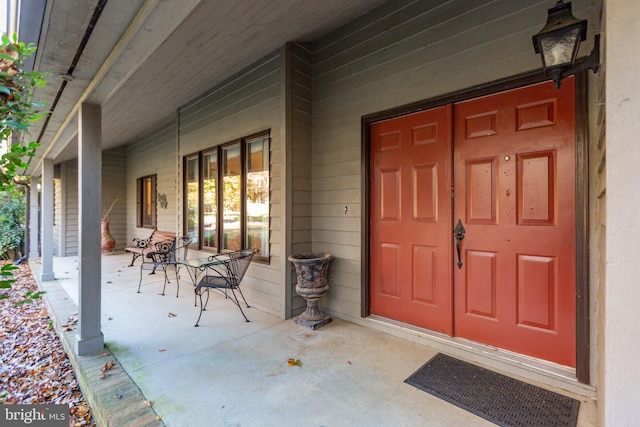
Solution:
(162, 201)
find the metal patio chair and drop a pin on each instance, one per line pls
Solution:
(162, 256)
(224, 272)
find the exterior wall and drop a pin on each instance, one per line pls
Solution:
(597, 201)
(114, 173)
(618, 392)
(155, 154)
(65, 219)
(66, 212)
(391, 57)
(247, 103)
(300, 185)
(69, 174)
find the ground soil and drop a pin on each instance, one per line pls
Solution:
(34, 368)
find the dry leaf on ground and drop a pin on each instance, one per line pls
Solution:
(295, 362)
(34, 366)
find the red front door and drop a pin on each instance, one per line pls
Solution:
(515, 196)
(410, 215)
(513, 192)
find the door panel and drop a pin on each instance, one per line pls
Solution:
(513, 161)
(410, 240)
(514, 178)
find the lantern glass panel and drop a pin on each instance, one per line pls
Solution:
(559, 48)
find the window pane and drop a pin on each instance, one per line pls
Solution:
(231, 197)
(210, 194)
(258, 196)
(147, 202)
(192, 198)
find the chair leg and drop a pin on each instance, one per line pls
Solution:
(177, 280)
(238, 303)
(133, 259)
(243, 298)
(165, 280)
(198, 292)
(140, 282)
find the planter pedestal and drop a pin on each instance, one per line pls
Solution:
(312, 284)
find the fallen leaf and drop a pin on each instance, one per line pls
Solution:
(348, 362)
(162, 349)
(36, 369)
(159, 417)
(149, 403)
(105, 354)
(107, 366)
(109, 282)
(172, 315)
(295, 362)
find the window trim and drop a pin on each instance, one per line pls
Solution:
(140, 193)
(220, 194)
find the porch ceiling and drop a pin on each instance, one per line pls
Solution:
(144, 58)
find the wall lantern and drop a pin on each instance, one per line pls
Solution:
(558, 43)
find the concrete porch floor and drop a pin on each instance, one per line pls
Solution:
(229, 372)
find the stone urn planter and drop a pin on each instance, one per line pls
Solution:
(312, 284)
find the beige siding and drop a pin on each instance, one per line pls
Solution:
(392, 56)
(65, 221)
(153, 155)
(114, 182)
(247, 103)
(66, 232)
(69, 172)
(300, 108)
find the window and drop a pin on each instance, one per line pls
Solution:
(146, 212)
(227, 196)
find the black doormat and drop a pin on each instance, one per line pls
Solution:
(495, 397)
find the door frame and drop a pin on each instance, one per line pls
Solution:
(583, 338)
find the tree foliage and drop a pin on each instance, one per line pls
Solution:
(12, 220)
(17, 108)
(18, 111)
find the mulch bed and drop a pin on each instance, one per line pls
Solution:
(34, 368)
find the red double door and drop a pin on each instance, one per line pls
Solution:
(503, 167)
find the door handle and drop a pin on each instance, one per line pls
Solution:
(458, 232)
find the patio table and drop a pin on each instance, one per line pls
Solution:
(194, 266)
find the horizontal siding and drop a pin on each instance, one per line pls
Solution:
(400, 53)
(72, 209)
(114, 187)
(69, 172)
(247, 103)
(301, 87)
(155, 154)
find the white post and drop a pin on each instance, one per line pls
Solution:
(47, 220)
(618, 391)
(89, 255)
